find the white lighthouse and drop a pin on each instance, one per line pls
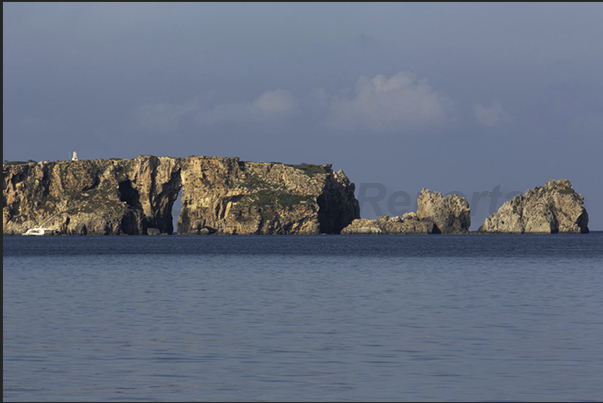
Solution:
(74, 158)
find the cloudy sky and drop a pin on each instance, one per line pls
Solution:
(481, 99)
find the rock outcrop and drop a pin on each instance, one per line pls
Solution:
(219, 195)
(229, 196)
(554, 208)
(435, 215)
(451, 214)
(91, 197)
(409, 223)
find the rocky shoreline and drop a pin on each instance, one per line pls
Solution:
(228, 196)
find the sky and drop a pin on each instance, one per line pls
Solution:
(485, 100)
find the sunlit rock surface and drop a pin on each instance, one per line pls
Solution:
(554, 208)
(435, 215)
(219, 195)
(409, 223)
(229, 196)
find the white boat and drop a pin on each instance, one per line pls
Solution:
(41, 230)
(36, 231)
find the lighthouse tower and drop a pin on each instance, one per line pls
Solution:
(74, 158)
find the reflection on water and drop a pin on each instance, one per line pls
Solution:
(303, 318)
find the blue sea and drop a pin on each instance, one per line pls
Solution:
(303, 318)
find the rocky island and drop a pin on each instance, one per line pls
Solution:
(435, 215)
(228, 196)
(135, 197)
(554, 208)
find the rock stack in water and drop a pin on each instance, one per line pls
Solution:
(451, 214)
(435, 215)
(554, 208)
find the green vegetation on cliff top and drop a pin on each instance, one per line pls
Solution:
(308, 169)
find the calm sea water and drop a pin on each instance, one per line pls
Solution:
(320, 318)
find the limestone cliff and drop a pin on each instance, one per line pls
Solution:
(435, 215)
(554, 208)
(229, 196)
(219, 195)
(91, 197)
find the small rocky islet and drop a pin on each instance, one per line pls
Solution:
(554, 208)
(228, 196)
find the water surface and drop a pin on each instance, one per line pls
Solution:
(321, 318)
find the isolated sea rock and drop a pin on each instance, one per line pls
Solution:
(554, 208)
(451, 214)
(409, 223)
(219, 195)
(435, 215)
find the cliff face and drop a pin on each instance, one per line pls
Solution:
(219, 195)
(435, 215)
(229, 196)
(92, 197)
(554, 208)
